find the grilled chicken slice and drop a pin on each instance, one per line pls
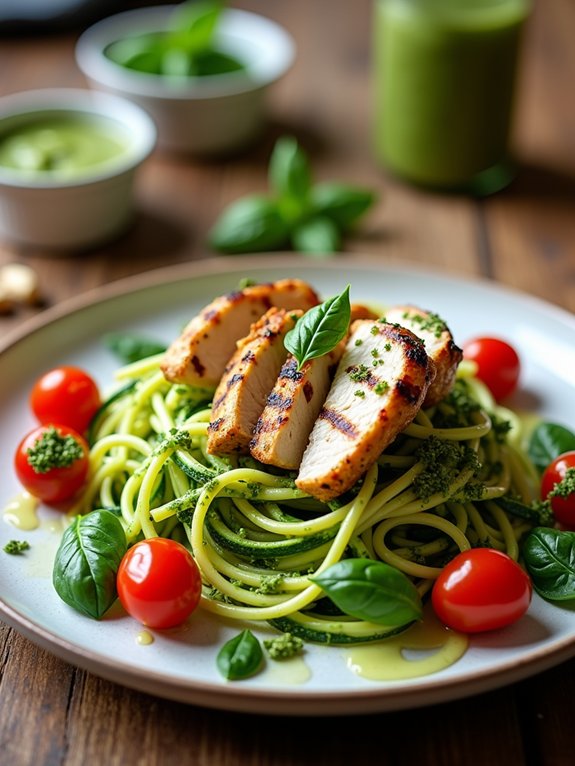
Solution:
(439, 346)
(361, 311)
(199, 356)
(282, 431)
(247, 381)
(380, 384)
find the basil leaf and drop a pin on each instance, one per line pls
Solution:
(320, 329)
(548, 441)
(198, 20)
(240, 657)
(371, 590)
(87, 561)
(143, 53)
(319, 236)
(131, 348)
(341, 203)
(289, 171)
(215, 62)
(550, 560)
(250, 224)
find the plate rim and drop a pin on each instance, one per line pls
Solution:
(220, 265)
(261, 700)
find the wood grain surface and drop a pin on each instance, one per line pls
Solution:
(52, 714)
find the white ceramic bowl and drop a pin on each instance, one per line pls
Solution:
(194, 115)
(88, 207)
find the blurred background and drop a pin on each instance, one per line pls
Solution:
(326, 100)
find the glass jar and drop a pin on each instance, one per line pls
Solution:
(444, 78)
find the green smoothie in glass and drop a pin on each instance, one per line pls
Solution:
(444, 81)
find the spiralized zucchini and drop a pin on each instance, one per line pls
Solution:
(454, 479)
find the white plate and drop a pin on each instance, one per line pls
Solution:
(181, 664)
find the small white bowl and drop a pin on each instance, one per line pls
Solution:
(206, 115)
(89, 207)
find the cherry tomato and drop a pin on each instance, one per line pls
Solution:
(65, 395)
(49, 481)
(481, 589)
(563, 507)
(159, 582)
(498, 364)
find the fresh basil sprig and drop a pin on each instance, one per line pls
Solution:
(250, 224)
(240, 657)
(185, 49)
(320, 329)
(550, 560)
(290, 173)
(87, 561)
(318, 236)
(295, 213)
(548, 441)
(371, 590)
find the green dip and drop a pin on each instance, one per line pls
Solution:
(444, 79)
(60, 146)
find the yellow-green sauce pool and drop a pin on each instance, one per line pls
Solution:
(61, 146)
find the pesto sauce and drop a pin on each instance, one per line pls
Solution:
(61, 146)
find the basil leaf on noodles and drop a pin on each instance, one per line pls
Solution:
(550, 560)
(240, 657)
(86, 563)
(371, 590)
(548, 441)
(320, 329)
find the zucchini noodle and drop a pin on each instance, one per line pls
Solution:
(454, 479)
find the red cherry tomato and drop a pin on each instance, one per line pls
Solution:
(481, 589)
(563, 507)
(53, 484)
(159, 582)
(65, 395)
(498, 364)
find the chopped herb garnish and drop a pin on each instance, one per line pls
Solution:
(359, 373)
(358, 342)
(359, 393)
(432, 322)
(381, 387)
(374, 330)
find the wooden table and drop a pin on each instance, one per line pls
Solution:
(54, 714)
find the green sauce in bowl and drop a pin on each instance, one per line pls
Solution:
(61, 146)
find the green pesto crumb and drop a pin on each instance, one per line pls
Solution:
(16, 547)
(53, 450)
(271, 584)
(283, 647)
(566, 487)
